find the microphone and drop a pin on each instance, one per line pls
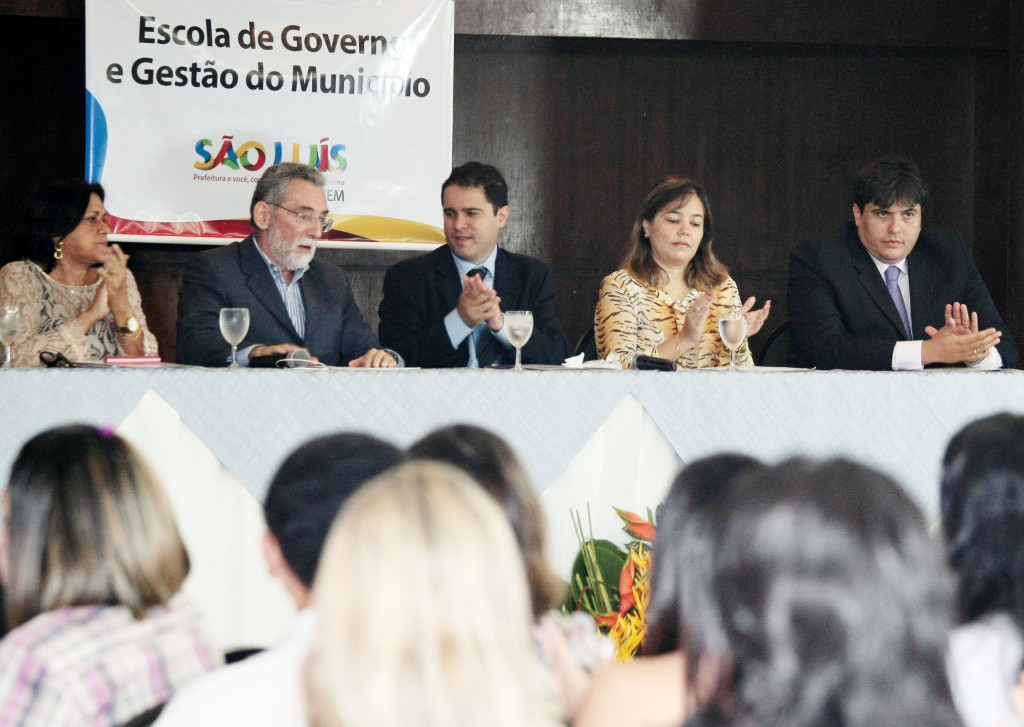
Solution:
(297, 359)
(640, 362)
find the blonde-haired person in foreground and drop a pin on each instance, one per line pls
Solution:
(569, 645)
(91, 561)
(423, 613)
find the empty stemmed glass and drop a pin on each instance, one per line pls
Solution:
(518, 328)
(234, 324)
(10, 327)
(732, 327)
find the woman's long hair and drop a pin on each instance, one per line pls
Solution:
(423, 614)
(489, 460)
(705, 271)
(982, 503)
(87, 524)
(835, 603)
(681, 594)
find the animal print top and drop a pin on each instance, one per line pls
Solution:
(634, 318)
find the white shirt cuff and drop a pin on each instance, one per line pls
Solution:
(993, 361)
(906, 356)
(457, 329)
(243, 354)
(502, 337)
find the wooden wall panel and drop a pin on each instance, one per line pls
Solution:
(913, 23)
(42, 115)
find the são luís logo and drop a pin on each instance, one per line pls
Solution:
(252, 155)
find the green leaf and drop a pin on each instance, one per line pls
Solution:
(608, 560)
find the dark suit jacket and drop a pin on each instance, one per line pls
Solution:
(235, 276)
(421, 291)
(843, 317)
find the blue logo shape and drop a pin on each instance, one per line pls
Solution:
(95, 138)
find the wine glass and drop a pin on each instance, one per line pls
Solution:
(10, 327)
(518, 328)
(732, 327)
(234, 324)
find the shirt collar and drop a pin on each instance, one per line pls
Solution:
(464, 266)
(275, 269)
(882, 266)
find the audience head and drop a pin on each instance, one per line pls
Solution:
(310, 488)
(272, 187)
(489, 460)
(681, 592)
(423, 614)
(87, 523)
(54, 214)
(484, 176)
(704, 271)
(982, 504)
(887, 181)
(834, 601)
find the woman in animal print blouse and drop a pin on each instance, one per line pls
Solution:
(667, 298)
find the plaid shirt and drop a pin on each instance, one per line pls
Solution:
(97, 665)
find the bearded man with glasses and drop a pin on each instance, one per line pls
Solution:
(294, 301)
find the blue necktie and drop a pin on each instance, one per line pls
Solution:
(892, 275)
(483, 350)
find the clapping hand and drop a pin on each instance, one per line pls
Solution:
(115, 272)
(479, 303)
(959, 340)
(755, 318)
(96, 312)
(693, 326)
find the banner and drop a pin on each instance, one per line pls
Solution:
(188, 102)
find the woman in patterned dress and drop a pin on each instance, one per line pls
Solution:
(76, 294)
(667, 298)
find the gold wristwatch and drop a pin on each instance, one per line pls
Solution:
(130, 326)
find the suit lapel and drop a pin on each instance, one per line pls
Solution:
(506, 282)
(262, 286)
(316, 301)
(924, 276)
(871, 280)
(449, 285)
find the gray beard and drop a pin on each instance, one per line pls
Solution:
(290, 258)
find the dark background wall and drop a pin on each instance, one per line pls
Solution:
(583, 105)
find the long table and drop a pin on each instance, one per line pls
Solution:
(588, 438)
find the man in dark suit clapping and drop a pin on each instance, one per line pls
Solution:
(445, 309)
(886, 295)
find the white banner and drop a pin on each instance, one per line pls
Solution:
(190, 101)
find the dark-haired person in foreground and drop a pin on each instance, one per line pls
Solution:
(982, 504)
(313, 483)
(294, 300)
(887, 295)
(832, 605)
(445, 309)
(663, 683)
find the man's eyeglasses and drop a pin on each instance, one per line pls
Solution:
(305, 218)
